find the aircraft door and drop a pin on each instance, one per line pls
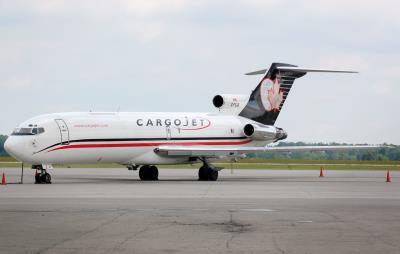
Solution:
(64, 132)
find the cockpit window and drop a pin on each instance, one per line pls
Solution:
(27, 131)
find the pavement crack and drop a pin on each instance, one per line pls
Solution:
(235, 228)
(144, 230)
(277, 246)
(110, 221)
(118, 245)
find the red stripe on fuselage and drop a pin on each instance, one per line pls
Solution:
(213, 143)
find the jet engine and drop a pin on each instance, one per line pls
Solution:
(230, 103)
(264, 132)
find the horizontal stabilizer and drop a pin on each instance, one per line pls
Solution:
(263, 71)
(298, 69)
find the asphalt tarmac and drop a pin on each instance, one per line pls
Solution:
(245, 211)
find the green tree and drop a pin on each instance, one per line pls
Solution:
(2, 140)
(392, 153)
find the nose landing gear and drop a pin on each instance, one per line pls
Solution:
(41, 177)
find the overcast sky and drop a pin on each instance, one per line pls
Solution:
(143, 55)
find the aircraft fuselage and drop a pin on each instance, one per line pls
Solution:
(122, 137)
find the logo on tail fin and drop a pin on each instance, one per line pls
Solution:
(271, 95)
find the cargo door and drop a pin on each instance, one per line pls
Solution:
(64, 132)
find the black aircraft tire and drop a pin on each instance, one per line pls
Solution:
(203, 173)
(47, 178)
(37, 178)
(212, 175)
(143, 173)
(153, 173)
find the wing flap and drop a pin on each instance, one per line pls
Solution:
(197, 151)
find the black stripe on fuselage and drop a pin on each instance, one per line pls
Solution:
(139, 139)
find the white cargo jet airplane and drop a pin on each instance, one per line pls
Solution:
(244, 124)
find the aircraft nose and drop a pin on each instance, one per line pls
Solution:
(14, 147)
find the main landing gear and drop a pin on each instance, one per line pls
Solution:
(148, 173)
(41, 177)
(207, 173)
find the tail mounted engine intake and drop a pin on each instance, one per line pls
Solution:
(230, 103)
(264, 132)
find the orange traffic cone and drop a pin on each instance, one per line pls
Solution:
(321, 172)
(3, 180)
(388, 177)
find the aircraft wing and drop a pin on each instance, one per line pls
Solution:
(235, 151)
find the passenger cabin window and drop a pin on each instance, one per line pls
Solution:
(27, 131)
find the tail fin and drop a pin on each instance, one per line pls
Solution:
(266, 101)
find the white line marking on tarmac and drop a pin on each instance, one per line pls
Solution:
(257, 210)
